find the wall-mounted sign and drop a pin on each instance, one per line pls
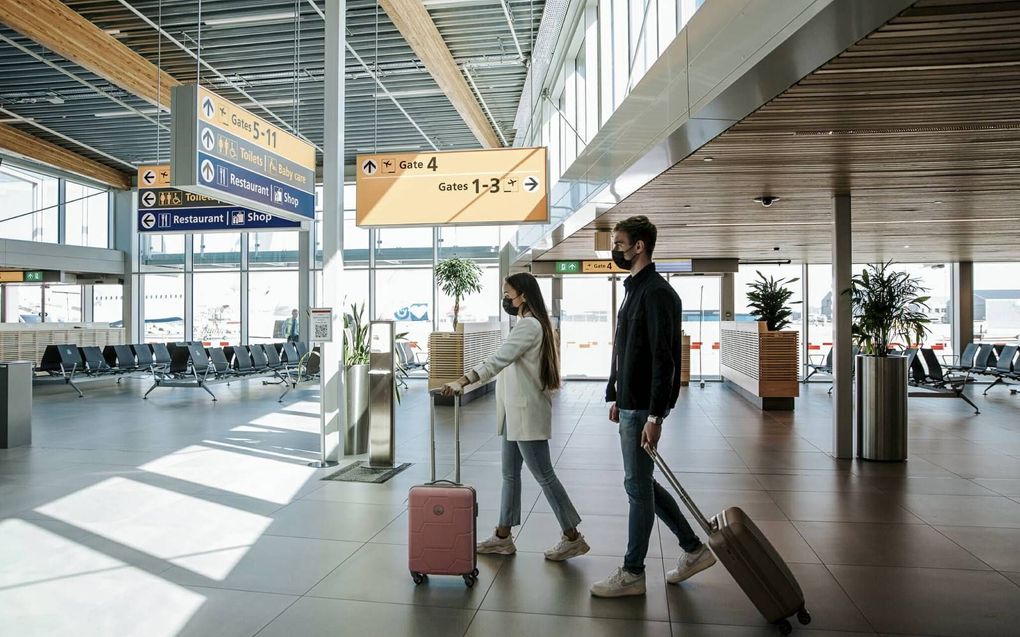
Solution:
(12, 277)
(223, 151)
(164, 210)
(321, 324)
(476, 187)
(34, 277)
(568, 267)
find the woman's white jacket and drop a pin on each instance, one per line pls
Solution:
(523, 406)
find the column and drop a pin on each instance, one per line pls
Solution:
(842, 362)
(305, 281)
(125, 237)
(332, 227)
(88, 303)
(963, 305)
(728, 296)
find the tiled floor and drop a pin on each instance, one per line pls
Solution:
(179, 516)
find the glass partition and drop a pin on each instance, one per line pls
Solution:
(997, 302)
(164, 307)
(217, 302)
(271, 298)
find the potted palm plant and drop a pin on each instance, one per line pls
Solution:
(457, 278)
(769, 300)
(886, 305)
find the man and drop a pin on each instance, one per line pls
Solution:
(292, 328)
(644, 384)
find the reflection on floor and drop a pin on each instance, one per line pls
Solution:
(179, 516)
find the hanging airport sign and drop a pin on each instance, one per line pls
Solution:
(321, 324)
(34, 277)
(475, 187)
(601, 267)
(17, 276)
(568, 267)
(164, 210)
(223, 151)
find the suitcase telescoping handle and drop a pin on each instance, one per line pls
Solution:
(456, 433)
(708, 526)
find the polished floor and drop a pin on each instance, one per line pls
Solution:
(179, 516)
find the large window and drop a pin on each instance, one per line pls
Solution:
(217, 301)
(24, 303)
(700, 297)
(818, 308)
(997, 302)
(164, 308)
(108, 304)
(480, 307)
(29, 210)
(88, 216)
(273, 249)
(586, 328)
(405, 295)
(63, 303)
(218, 251)
(403, 246)
(162, 252)
(271, 297)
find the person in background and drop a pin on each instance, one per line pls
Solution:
(292, 328)
(527, 371)
(644, 384)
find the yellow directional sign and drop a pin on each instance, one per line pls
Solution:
(154, 176)
(600, 267)
(475, 187)
(239, 122)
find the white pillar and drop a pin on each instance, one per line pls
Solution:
(842, 361)
(332, 227)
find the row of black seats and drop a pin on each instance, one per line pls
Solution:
(233, 361)
(1000, 362)
(69, 359)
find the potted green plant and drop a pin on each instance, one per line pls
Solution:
(769, 300)
(357, 349)
(886, 305)
(457, 278)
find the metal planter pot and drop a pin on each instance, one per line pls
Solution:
(881, 414)
(356, 434)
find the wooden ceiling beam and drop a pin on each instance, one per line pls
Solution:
(413, 21)
(65, 32)
(31, 147)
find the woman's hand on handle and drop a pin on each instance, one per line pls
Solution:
(456, 387)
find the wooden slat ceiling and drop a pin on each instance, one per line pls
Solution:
(920, 122)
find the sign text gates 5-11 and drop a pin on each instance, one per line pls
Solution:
(223, 151)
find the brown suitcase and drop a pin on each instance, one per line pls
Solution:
(749, 557)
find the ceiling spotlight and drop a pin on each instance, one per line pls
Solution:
(938, 202)
(687, 205)
(706, 159)
(766, 200)
(906, 246)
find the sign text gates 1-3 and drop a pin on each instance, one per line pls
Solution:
(223, 151)
(163, 210)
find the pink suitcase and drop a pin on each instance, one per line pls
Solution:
(442, 527)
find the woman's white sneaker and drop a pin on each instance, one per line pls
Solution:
(496, 545)
(567, 549)
(622, 583)
(690, 564)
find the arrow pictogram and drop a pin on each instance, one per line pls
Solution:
(148, 220)
(148, 199)
(369, 166)
(530, 184)
(149, 177)
(208, 139)
(207, 107)
(207, 170)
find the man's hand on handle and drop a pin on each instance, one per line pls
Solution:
(651, 433)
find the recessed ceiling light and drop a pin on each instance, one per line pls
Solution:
(248, 18)
(938, 202)
(707, 159)
(906, 246)
(687, 205)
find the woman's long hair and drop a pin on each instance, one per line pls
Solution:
(526, 284)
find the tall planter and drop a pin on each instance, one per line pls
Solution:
(356, 435)
(881, 414)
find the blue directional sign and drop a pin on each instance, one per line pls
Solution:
(226, 178)
(205, 220)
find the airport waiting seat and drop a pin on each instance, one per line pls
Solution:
(143, 356)
(819, 365)
(161, 358)
(259, 360)
(409, 358)
(218, 361)
(289, 355)
(273, 356)
(935, 379)
(95, 362)
(962, 363)
(242, 360)
(60, 359)
(984, 359)
(1005, 368)
(302, 349)
(121, 358)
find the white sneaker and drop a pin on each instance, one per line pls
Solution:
(690, 564)
(496, 545)
(567, 549)
(622, 583)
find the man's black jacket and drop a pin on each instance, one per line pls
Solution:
(645, 372)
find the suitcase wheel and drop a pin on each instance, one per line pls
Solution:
(471, 578)
(803, 616)
(784, 627)
(419, 578)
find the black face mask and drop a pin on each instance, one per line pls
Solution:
(508, 306)
(621, 260)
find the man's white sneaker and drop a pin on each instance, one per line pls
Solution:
(496, 545)
(691, 563)
(622, 583)
(567, 549)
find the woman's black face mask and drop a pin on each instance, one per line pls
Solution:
(508, 306)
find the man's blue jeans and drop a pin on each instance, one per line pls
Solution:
(647, 498)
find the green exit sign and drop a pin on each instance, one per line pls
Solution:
(568, 267)
(34, 277)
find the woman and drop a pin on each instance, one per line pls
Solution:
(528, 372)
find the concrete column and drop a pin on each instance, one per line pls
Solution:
(556, 308)
(842, 361)
(125, 237)
(243, 289)
(189, 287)
(88, 303)
(963, 305)
(332, 228)
(62, 211)
(727, 295)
